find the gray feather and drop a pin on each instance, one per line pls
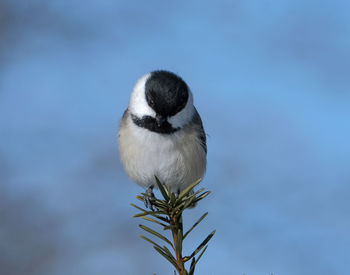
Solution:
(198, 121)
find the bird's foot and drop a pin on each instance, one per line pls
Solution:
(193, 204)
(148, 200)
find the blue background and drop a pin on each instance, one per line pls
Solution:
(271, 82)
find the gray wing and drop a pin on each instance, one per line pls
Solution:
(198, 121)
(124, 116)
(123, 120)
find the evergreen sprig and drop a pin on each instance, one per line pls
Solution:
(168, 214)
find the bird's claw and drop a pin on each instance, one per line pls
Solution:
(193, 204)
(148, 200)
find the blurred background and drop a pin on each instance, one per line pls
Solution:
(271, 82)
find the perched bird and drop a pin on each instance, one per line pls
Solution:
(161, 134)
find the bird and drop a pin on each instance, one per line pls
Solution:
(161, 134)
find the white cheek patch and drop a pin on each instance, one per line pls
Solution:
(138, 105)
(185, 115)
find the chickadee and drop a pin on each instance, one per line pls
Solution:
(161, 134)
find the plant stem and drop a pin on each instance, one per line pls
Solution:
(176, 224)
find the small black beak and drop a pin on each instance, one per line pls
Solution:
(160, 120)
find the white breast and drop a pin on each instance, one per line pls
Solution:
(177, 159)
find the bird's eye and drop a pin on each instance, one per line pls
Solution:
(151, 102)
